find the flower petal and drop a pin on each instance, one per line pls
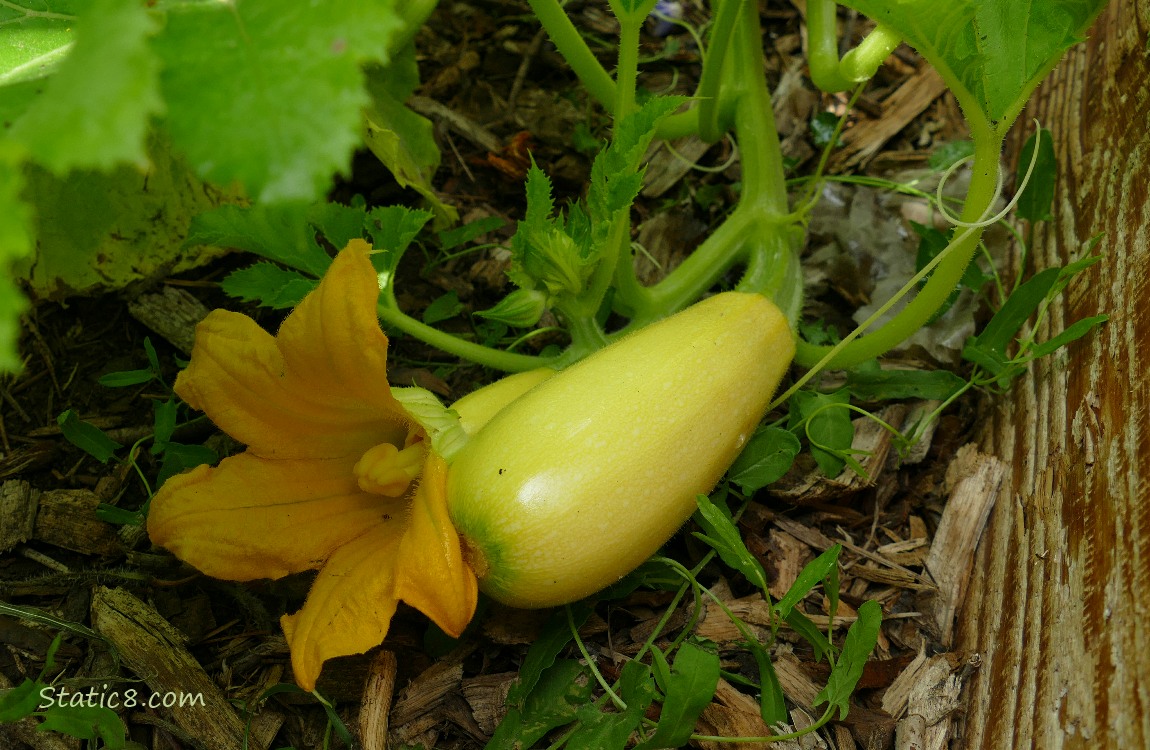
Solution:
(318, 389)
(431, 575)
(257, 518)
(350, 606)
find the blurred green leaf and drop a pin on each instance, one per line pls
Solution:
(272, 94)
(444, 307)
(96, 108)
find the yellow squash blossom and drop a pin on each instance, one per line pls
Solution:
(337, 476)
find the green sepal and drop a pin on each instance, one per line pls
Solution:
(442, 424)
(522, 308)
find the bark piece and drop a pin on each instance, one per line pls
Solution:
(173, 313)
(732, 714)
(908, 101)
(376, 705)
(487, 696)
(67, 519)
(18, 507)
(155, 651)
(975, 480)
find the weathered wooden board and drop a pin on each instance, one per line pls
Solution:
(1059, 603)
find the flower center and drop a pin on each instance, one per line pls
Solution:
(388, 470)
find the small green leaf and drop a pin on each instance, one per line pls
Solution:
(268, 285)
(403, 140)
(87, 437)
(20, 701)
(988, 348)
(945, 156)
(124, 378)
(556, 634)
(164, 413)
(610, 731)
(772, 702)
(859, 643)
(765, 459)
(827, 426)
(86, 723)
(1037, 197)
(468, 232)
(888, 385)
(442, 308)
(810, 576)
(723, 536)
(179, 457)
(802, 625)
(1073, 332)
(119, 516)
(153, 358)
(822, 128)
(689, 690)
(555, 700)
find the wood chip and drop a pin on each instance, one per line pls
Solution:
(426, 692)
(932, 699)
(155, 651)
(172, 313)
(732, 714)
(669, 165)
(67, 519)
(487, 696)
(797, 685)
(975, 480)
(789, 556)
(375, 707)
(18, 505)
(907, 102)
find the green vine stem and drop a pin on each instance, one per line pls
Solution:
(708, 92)
(575, 51)
(496, 359)
(948, 272)
(860, 64)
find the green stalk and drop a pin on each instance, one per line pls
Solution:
(496, 359)
(710, 83)
(827, 71)
(575, 51)
(627, 69)
(823, 47)
(916, 314)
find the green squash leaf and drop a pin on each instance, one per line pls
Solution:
(992, 53)
(271, 94)
(95, 110)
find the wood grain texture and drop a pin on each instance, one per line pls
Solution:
(1059, 603)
